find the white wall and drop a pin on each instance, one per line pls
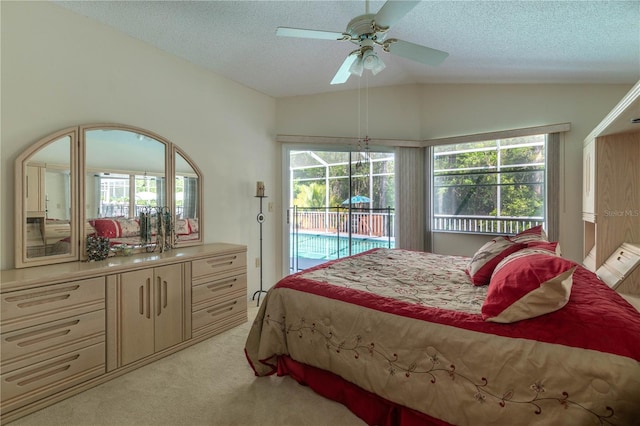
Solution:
(61, 69)
(445, 110)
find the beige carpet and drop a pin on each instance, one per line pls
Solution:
(210, 383)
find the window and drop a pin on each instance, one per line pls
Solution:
(492, 186)
(341, 203)
(115, 194)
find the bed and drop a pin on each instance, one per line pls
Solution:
(403, 338)
(120, 231)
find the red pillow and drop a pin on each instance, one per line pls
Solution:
(532, 234)
(553, 247)
(107, 228)
(526, 285)
(487, 258)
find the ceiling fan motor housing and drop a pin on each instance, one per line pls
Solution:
(363, 28)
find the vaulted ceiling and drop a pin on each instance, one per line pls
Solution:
(487, 41)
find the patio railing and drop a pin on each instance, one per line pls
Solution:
(485, 224)
(326, 233)
(336, 220)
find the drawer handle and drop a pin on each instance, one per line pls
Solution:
(43, 301)
(226, 283)
(226, 307)
(47, 296)
(38, 336)
(222, 261)
(29, 377)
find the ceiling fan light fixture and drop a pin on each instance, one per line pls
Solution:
(369, 59)
(377, 66)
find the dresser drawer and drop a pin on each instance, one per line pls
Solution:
(37, 343)
(219, 287)
(218, 264)
(31, 307)
(218, 313)
(25, 385)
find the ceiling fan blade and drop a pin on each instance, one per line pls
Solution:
(302, 33)
(343, 73)
(415, 52)
(392, 11)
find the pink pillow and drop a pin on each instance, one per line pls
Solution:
(128, 227)
(487, 258)
(532, 234)
(182, 227)
(193, 225)
(526, 285)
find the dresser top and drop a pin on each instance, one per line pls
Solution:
(15, 279)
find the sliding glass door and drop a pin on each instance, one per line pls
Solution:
(341, 203)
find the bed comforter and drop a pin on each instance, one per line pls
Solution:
(407, 326)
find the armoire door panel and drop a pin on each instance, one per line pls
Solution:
(136, 317)
(169, 306)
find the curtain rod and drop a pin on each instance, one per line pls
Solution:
(502, 134)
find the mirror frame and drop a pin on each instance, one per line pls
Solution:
(174, 153)
(20, 164)
(77, 164)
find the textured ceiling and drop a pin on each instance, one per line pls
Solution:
(488, 41)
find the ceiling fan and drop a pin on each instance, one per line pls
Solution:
(367, 31)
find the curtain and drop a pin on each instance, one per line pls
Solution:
(553, 186)
(428, 198)
(67, 195)
(410, 198)
(96, 207)
(190, 200)
(160, 192)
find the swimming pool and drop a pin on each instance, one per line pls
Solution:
(329, 247)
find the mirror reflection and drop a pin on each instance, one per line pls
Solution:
(123, 186)
(186, 192)
(125, 177)
(47, 195)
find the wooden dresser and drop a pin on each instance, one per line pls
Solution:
(68, 327)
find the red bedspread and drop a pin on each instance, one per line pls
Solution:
(596, 317)
(374, 327)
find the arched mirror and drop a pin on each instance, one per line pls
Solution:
(123, 196)
(125, 177)
(187, 200)
(46, 198)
